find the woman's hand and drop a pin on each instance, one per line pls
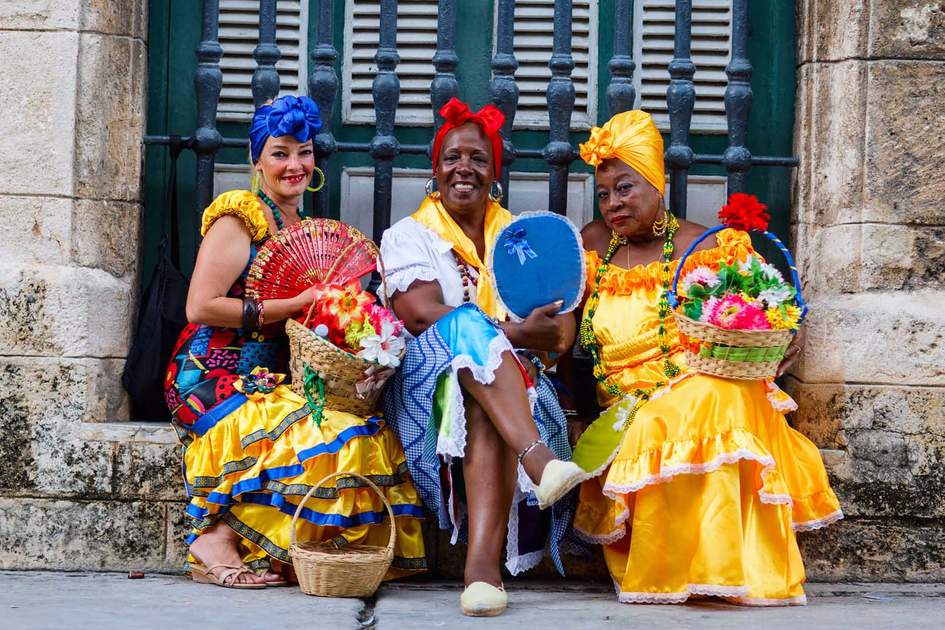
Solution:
(304, 300)
(793, 351)
(543, 329)
(576, 428)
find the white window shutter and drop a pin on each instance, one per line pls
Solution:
(711, 48)
(534, 39)
(239, 34)
(416, 44)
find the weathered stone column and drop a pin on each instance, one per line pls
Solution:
(73, 97)
(870, 235)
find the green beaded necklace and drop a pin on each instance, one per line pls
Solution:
(588, 340)
(272, 206)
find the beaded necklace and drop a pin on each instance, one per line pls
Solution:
(588, 340)
(272, 206)
(465, 275)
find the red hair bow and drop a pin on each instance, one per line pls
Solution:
(457, 113)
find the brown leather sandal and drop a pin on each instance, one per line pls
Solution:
(226, 578)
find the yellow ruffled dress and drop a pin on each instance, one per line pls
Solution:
(250, 455)
(709, 484)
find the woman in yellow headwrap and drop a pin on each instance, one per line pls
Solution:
(698, 483)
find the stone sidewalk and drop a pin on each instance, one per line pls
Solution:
(102, 601)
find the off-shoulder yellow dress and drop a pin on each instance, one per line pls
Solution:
(249, 456)
(710, 483)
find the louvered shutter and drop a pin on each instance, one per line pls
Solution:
(239, 34)
(534, 37)
(653, 50)
(416, 43)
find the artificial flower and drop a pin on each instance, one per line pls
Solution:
(346, 303)
(768, 271)
(734, 313)
(377, 315)
(745, 212)
(383, 348)
(356, 331)
(786, 316)
(777, 295)
(700, 275)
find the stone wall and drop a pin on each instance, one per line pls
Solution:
(870, 235)
(74, 494)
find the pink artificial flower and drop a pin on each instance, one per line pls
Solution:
(700, 275)
(734, 313)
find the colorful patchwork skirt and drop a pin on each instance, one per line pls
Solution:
(424, 404)
(702, 494)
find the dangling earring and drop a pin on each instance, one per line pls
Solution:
(428, 189)
(496, 193)
(667, 221)
(255, 185)
(321, 181)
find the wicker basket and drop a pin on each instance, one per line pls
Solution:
(327, 570)
(337, 369)
(738, 354)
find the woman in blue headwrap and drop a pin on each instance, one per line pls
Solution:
(250, 448)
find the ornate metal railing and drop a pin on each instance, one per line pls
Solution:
(558, 153)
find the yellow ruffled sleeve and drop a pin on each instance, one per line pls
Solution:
(242, 204)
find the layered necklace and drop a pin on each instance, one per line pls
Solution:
(589, 342)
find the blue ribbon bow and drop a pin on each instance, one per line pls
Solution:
(515, 243)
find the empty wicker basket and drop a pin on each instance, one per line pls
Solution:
(327, 570)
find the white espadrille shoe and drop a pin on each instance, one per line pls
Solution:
(557, 479)
(481, 599)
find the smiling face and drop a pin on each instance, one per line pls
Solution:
(629, 204)
(465, 171)
(286, 166)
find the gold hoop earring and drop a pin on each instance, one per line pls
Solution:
(255, 184)
(321, 183)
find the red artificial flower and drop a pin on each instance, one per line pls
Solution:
(745, 212)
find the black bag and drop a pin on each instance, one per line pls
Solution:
(162, 317)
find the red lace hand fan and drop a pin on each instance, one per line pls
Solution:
(310, 252)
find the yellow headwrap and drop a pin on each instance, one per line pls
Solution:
(434, 216)
(632, 138)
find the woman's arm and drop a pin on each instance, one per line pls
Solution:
(223, 255)
(420, 306)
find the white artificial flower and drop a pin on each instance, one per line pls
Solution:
(775, 296)
(383, 348)
(700, 275)
(768, 271)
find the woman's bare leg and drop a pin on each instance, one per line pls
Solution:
(489, 472)
(505, 403)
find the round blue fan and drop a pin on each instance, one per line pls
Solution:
(536, 260)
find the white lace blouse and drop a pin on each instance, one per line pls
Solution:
(414, 252)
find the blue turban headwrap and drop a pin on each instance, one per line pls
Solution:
(295, 116)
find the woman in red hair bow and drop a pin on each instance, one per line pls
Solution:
(478, 428)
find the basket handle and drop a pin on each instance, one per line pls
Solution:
(674, 296)
(371, 484)
(334, 266)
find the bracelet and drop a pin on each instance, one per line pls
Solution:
(250, 315)
(262, 314)
(527, 450)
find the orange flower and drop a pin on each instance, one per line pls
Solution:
(345, 303)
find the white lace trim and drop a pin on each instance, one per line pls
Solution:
(566, 308)
(514, 562)
(454, 444)
(800, 600)
(400, 279)
(819, 523)
(710, 590)
(609, 538)
(773, 393)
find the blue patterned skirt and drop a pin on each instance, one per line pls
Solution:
(424, 405)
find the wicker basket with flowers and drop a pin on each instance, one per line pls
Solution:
(738, 321)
